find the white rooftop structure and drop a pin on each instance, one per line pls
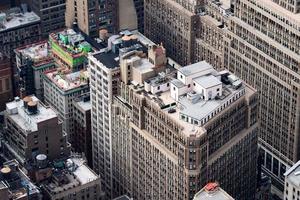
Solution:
(194, 68)
(207, 81)
(83, 173)
(25, 120)
(212, 192)
(196, 96)
(14, 18)
(293, 174)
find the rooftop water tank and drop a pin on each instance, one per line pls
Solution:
(41, 161)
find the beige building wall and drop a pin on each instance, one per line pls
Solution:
(127, 15)
(154, 159)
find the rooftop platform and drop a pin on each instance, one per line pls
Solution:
(28, 121)
(195, 103)
(15, 17)
(17, 183)
(73, 173)
(121, 44)
(38, 52)
(67, 80)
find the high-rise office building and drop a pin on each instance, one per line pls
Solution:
(174, 131)
(61, 87)
(92, 15)
(131, 15)
(262, 46)
(31, 128)
(104, 78)
(52, 14)
(175, 24)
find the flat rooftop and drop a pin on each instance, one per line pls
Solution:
(109, 57)
(67, 80)
(194, 68)
(192, 110)
(14, 18)
(26, 121)
(38, 52)
(75, 174)
(17, 183)
(84, 105)
(293, 174)
(71, 42)
(219, 194)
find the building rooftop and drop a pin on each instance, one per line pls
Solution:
(28, 120)
(194, 68)
(70, 48)
(121, 44)
(84, 102)
(16, 182)
(212, 192)
(67, 80)
(207, 81)
(293, 174)
(38, 52)
(69, 174)
(16, 17)
(206, 93)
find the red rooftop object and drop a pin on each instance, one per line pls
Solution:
(211, 187)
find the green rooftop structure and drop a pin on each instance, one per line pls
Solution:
(69, 48)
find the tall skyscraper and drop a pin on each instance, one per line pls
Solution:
(262, 46)
(52, 14)
(259, 42)
(174, 133)
(175, 24)
(92, 15)
(104, 78)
